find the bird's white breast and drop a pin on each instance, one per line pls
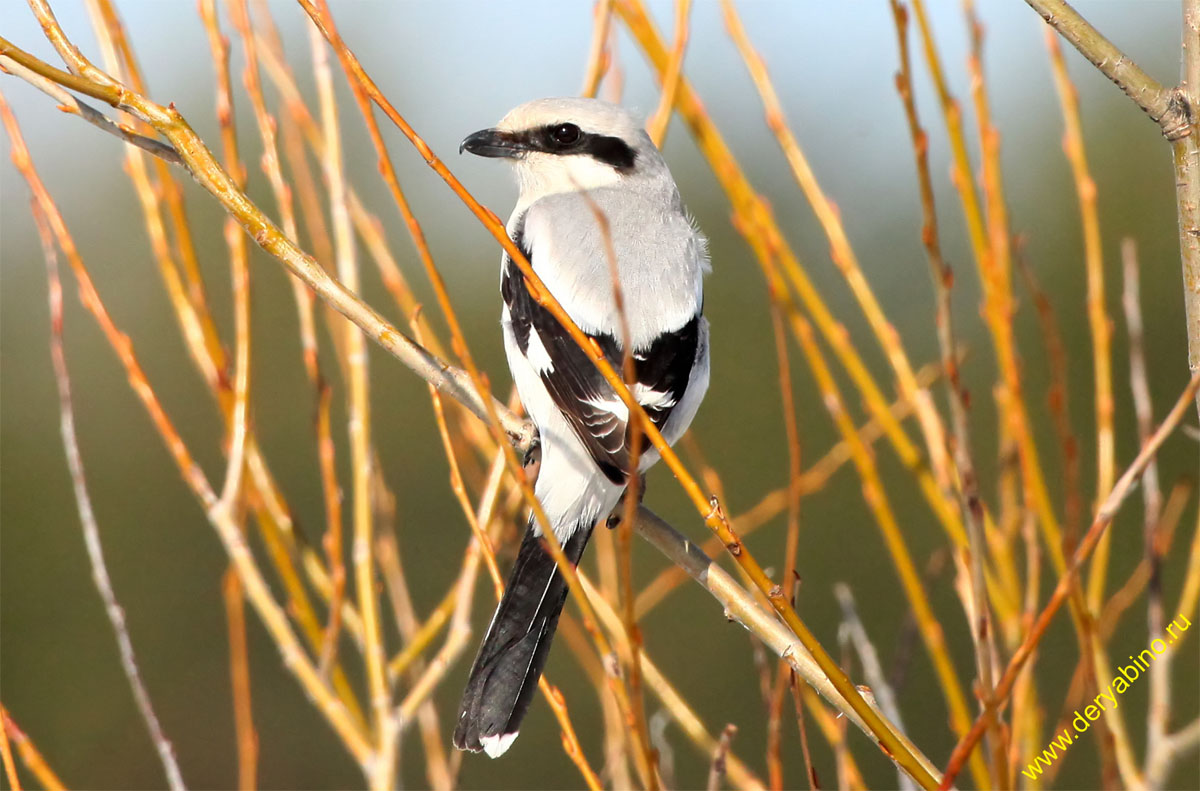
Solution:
(660, 256)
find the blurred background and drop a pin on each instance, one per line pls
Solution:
(453, 67)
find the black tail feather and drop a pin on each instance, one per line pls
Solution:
(514, 651)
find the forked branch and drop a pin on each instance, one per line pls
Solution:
(1167, 107)
(1174, 110)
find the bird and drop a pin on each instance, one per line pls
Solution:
(575, 158)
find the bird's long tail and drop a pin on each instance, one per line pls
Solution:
(512, 655)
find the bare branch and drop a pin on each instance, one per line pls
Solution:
(69, 104)
(210, 175)
(1104, 517)
(1162, 104)
(872, 669)
(740, 606)
(1186, 156)
(87, 517)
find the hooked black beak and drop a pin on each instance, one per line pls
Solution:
(493, 143)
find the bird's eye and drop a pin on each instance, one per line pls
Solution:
(565, 134)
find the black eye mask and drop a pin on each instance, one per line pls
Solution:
(561, 139)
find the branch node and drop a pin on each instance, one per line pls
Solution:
(1177, 121)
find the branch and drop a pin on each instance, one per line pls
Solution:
(29, 753)
(1104, 517)
(852, 626)
(69, 104)
(1166, 106)
(200, 163)
(740, 606)
(1172, 109)
(708, 508)
(87, 516)
(105, 93)
(1186, 155)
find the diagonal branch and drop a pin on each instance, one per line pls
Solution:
(1165, 106)
(1104, 516)
(69, 104)
(740, 606)
(1173, 109)
(209, 174)
(217, 181)
(709, 508)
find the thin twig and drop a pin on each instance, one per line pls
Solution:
(717, 770)
(30, 756)
(239, 674)
(1104, 517)
(783, 674)
(810, 769)
(69, 104)
(677, 708)
(359, 430)
(1158, 102)
(257, 589)
(239, 270)
(1097, 312)
(872, 669)
(1158, 712)
(87, 517)
(160, 193)
(1160, 760)
(981, 627)
(1058, 396)
(235, 241)
(740, 606)
(1101, 333)
(10, 766)
(660, 121)
(599, 56)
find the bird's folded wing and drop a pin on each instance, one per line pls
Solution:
(590, 405)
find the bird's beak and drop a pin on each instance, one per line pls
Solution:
(493, 143)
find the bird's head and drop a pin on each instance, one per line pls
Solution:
(566, 145)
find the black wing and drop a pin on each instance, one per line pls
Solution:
(581, 393)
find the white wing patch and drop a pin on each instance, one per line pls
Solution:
(612, 405)
(646, 396)
(537, 355)
(652, 399)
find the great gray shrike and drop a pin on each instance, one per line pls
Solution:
(572, 157)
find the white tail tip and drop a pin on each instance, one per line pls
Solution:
(498, 744)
